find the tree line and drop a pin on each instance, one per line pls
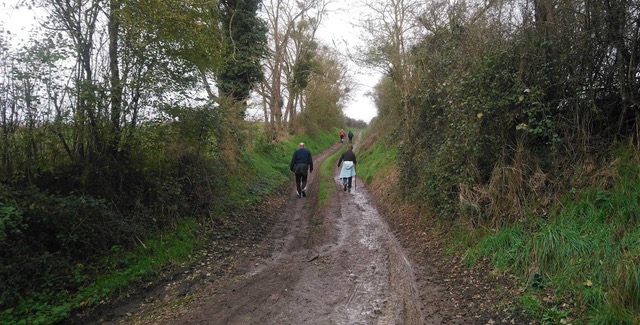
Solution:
(120, 118)
(502, 97)
(516, 123)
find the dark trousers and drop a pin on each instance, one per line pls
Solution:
(347, 181)
(301, 181)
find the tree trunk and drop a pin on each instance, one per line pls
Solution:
(116, 83)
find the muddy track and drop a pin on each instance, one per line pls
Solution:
(296, 262)
(332, 264)
(293, 261)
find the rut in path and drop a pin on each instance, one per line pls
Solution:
(332, 264)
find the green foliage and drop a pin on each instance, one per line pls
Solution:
(464, 121)
(63, 252)
(589, 249)
(531, 305)
(505, 248)
(105, 153)
(376, 159)
(51, 231)
(325, 93)
(387, 98)
(11, 222)
(195, 126)
(245, 38)
(547, 315)
(184, 32)
(494, 123)
(304, 65)
(354, 124)
(117, 273)
(485, 90)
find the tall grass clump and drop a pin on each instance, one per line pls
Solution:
(504, 248)
(586, 251)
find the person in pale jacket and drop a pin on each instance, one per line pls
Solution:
(348, 171)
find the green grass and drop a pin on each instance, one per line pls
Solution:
(266, 168)
(531, 305)
(588, 250)
(270, 162)
(119, 271)
(376, 159)
(505, 248)
(327, 184)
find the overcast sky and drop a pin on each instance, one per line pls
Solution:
(336, 29)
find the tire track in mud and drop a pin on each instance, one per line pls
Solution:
(384, 274)
(334, 264)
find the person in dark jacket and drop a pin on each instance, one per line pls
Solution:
(301, 162)
(348, 171)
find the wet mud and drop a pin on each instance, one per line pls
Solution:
(332, 264)
(338, 263)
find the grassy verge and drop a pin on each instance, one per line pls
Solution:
(327, 184)
(582, 263)
(266, 168)
(270, 163)
(375, 158)
(117, 272)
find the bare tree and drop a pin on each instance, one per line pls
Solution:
(390, 29)
(292, 27)
(327, 90)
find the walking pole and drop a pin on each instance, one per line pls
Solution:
(355, 179)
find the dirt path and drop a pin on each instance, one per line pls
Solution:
(334, 264)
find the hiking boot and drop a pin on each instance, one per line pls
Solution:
(345, 187)
(349, 190)
(304, 193)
